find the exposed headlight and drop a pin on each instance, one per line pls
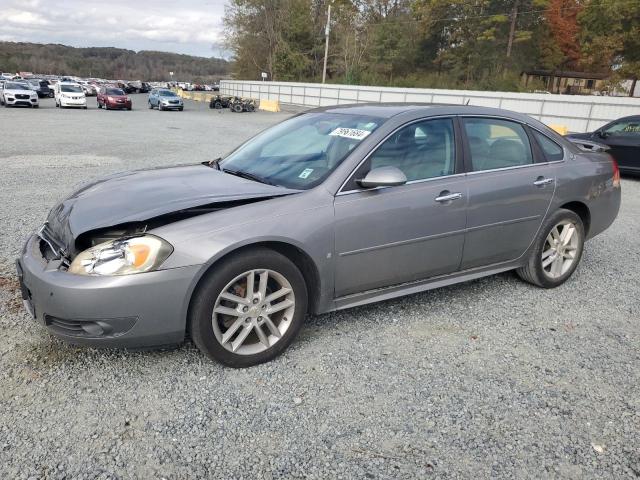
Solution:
(122, 257)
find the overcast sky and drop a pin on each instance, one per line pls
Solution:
(185, 26)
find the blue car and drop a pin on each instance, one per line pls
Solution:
(165, 99)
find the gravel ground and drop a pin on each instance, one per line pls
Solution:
(492, 378)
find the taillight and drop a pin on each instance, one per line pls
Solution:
(616, 173)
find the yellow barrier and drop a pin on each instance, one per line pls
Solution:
(269, 105)
(561, 129)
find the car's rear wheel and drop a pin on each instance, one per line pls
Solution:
(249, 309)
(556, 252)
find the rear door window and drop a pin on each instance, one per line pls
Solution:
(496, 143)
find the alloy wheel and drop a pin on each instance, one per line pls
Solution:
(560, 249)
(253, 311)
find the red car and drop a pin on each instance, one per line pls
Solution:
(112, 97)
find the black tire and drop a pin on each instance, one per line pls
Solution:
(130, 108)
(237, 107)
(218, 105)
(35, 106)
(99, 104)
(204, 299)
(160, 109)
(181, 109)
(250, 108)
(150, 106)
(533, 271)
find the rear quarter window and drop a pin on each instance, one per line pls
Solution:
(551, 150)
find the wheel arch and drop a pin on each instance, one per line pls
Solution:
(582, 210)
(297, 255)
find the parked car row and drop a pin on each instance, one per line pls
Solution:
(73, 94)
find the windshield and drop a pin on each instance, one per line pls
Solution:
(71, 88)
(166, 93)
(114, 91)
(302, 151)
(15, 86)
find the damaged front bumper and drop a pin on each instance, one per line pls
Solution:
(139, 310)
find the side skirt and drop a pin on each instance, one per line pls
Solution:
(403, 289)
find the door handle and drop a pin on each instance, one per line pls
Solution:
(447, 197)
(541, 181)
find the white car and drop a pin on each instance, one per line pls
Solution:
(89, 89)
(69, 94)
(16, 93)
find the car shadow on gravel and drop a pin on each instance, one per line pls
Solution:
(45, 351)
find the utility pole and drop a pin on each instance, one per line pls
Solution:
(326, 44)
(512, 30)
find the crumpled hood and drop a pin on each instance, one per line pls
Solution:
(144, 194)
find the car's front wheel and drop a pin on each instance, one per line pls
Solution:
(249, 309)
(556, 251)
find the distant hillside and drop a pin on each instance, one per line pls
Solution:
(110, 63)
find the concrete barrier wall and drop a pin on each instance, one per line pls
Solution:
(579, 113)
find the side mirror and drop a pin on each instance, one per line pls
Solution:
(383, 177)
(602, 134)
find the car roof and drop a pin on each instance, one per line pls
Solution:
(625, 119)
(388, 110)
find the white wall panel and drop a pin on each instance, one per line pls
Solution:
(577, 113)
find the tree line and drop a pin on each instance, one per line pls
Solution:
(109, 63)
(479, 44)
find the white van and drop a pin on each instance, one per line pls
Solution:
(68, 94)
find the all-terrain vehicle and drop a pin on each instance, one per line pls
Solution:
(219, 101)
(238, 104)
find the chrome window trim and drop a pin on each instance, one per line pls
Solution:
(502, 169)
(353, 172)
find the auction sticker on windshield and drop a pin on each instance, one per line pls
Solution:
(305, 173)
(354, 133)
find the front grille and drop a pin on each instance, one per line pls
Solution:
(174, 102)
(108, 327)
(22, 96)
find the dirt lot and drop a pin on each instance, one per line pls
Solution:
(492, 378)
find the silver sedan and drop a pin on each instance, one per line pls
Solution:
(333, 208)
